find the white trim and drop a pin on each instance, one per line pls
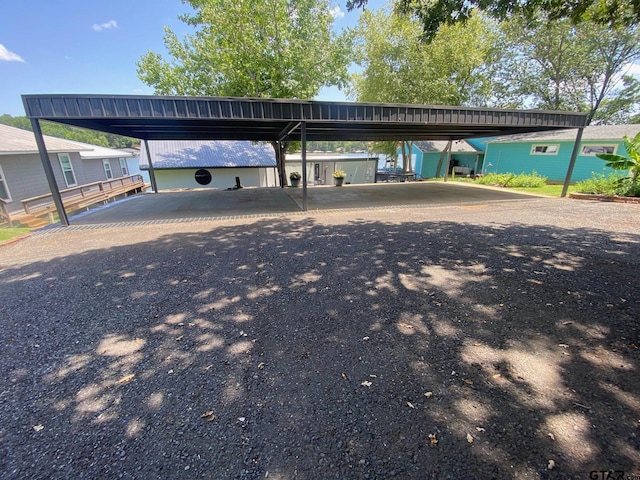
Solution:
(75, 179)
(106, 165)
(124, 168)
(545, 149)
(597, 146)
(3, 180)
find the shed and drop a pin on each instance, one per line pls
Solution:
(210, 163)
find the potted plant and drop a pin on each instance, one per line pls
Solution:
(295, 178)
(338, 177)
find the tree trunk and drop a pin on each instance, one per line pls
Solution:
(441, 161)
(281, 151)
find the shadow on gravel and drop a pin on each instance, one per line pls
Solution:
(291, 349)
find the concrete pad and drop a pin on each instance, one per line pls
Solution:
(206, 203)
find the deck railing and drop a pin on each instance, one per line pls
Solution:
(84, 195)
(5, 216)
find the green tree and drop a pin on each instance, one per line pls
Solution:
(257, 48)
(71, 133)
(434, 14)
(399, 68)
(560, 66)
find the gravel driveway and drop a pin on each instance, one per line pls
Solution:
(495, 340)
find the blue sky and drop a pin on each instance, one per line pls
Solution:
(91, 46)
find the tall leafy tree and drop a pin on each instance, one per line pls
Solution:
(561, 66)
(398, 67)
(251, 48)
(434, 14)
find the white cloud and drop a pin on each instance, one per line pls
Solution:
(336, 12)
(9, 56)
(105, 26)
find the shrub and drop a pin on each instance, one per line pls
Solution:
(600, 184)
(295, 175)
(628, 188)
(529, 180)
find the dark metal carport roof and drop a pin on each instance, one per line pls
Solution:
(277, 120)
(213, 118)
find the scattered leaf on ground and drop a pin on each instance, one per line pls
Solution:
(242, 419)
(410, 405)
(344, 376)
(126, 378)
(467, 381)
(366, 383)
(428, 394)
(373, 376)
(260, 365)
(480, 429)
(551, 464)
(469, 438)
(38, 427)
(365, 338)
(209, 415)
(433, 440)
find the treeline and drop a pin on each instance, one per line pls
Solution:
(339, 147)
(71, 133)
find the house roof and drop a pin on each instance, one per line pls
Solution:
(592, 132)
(18, 141)
(457, 146)
(175, 154)
(228, 118)
(98, 152)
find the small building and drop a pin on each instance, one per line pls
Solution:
(74, 164)
(549, 153)
(426, 155)
(359, 167)
(210, 164)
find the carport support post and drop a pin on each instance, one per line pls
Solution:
(152, 173)
(446, 170)
(303, 140)
(572, 162)
(48, 171)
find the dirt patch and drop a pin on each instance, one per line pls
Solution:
(374, 344)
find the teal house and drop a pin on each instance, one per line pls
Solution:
(549, 153)
(465, 158)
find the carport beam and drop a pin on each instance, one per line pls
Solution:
(48, 171)
(152, 173)
(303, 141)
(572, 162)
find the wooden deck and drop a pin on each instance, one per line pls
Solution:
(40, 210)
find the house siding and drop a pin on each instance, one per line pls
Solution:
(220, 178)
(25, 175)
(358, 171)
(502, 157)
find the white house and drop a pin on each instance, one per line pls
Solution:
(359, 167)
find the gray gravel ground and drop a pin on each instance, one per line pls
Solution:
(494, 340)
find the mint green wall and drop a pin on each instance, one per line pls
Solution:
(517, 158)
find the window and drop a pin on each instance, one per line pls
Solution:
(596, 149)
(123, 167)
(67, 169)
(545, 149)
(107, 169)
(4, 188)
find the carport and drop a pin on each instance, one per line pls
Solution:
(279, 121)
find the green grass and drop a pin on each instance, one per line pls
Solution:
(550, 190)
(546, 189)
(7, 233)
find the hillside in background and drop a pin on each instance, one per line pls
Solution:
(72, 133)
